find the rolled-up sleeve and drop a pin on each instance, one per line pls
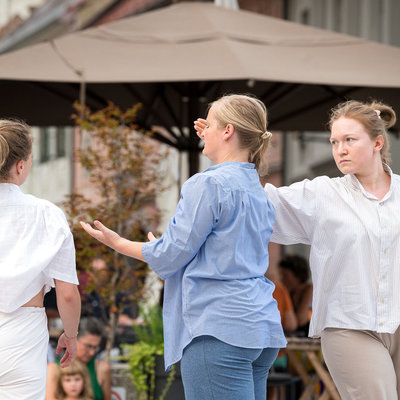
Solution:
(195, 216)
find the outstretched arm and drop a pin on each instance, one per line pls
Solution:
(116, 242)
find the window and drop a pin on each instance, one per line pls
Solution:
(60, 142)
(352, 16)
(44, 145)
(305, 16)
(337, 15)
(374, 31)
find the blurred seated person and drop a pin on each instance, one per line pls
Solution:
(289, 324)
(285, 306)
(89, 338)
(93, 305)
(294, 273)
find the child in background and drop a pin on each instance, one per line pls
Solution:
(74, 383)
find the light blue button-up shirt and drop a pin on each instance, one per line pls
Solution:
(213, 257)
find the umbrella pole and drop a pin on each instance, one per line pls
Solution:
(82, 95)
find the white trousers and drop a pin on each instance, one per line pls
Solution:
(23, 351)
(364, 365)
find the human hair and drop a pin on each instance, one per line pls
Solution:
(90, 326)
(15, 145)
(298, 265)
(76, 368)
(375, 117)
(248, 115)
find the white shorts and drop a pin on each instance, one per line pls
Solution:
(24, 338)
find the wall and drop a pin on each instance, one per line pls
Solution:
(50, 178)
(309, 154)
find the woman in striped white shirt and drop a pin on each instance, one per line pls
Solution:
(353, 226)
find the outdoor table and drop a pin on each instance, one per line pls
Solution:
(311, 348)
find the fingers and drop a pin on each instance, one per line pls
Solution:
(90, 230)
(199, 126)
(151, 237)
(60, 344)
(66, 360)
(70, 350)
(201, 121)
(59, 349)
(87, 227)
(101, 233)
(99, 226)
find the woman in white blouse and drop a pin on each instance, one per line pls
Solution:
(353, 226)
(36, 252)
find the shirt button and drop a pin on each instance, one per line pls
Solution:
(380, 324)
(382, 301)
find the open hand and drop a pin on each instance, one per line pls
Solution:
(199, 126)
(102, 233)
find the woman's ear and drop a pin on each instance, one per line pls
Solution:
(229, 130)
(19, 166)
(379, 143)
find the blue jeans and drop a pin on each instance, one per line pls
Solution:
(214, 370)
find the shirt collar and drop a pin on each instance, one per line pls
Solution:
(355, 184)
(9, 187)
(240, 164)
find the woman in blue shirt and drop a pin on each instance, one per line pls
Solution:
(220, 318)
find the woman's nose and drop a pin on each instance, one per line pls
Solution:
(342, 148)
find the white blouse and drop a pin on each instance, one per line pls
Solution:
(36, 247)
(355, 249)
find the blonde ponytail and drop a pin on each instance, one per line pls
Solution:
(4, 149)
(15, 145)
(248, 115)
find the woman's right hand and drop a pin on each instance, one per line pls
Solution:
(70, 346)
(113, 240)
(199, 126)
(102, 233)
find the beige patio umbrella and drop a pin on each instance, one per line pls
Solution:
(178, 58)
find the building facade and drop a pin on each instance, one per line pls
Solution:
(307, 154)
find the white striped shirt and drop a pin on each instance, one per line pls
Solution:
(355, 249)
